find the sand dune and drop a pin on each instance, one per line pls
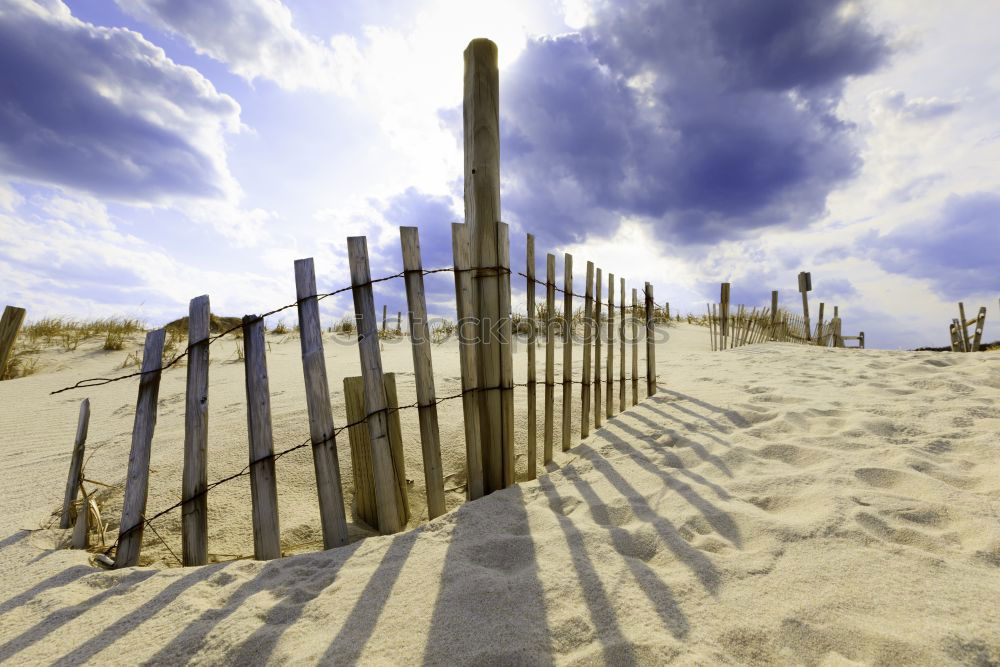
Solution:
(771, 504)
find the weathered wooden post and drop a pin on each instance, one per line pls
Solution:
(621, 348)
(137, 482)
(326, 462)
(567, 365)
(482, 213)
(774, 315)
(399, 322)
(75, 476)
(610, 397)
(819, 325)
(532, 369)
(861, 340)
(423, 370)
(805, 286)
(10, 325)
(711, 326)
(635, 346)
(263, 483)
(650, 343)
(468, 334)
(588, 339)
(980, 324)
(724, 315)
(376, 407)
(194, 481)
(385, 310)
(550, 356)
(597, 353)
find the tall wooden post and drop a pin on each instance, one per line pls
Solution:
(137, 482)
(724, 315)
(482, 213)
(10, 325)
(567, 365)
(588, 338)
(76, 464)
(423, 370)
(635, 346)
(610, 397)
(532, 367)
(385, 311)
(550, 356)
(963, 327)
(468, 333)
(598, 386)
(819, 325)
(774, 314)
(326, 463)
(621, 349)
(650, 343)
(805, 286)
(194, 481)
(376, 404)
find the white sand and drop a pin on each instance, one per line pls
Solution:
(773, 504)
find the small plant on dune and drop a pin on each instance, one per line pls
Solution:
(280, 329)
(70, 339)
(240, 355)
(113, 341)
(133, 359)
(345, 325)
(441, 331)
(22, 364)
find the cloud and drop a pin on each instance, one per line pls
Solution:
(956, 250)
(102, 110)
(918, 109)
(706, 119)
(256, 39)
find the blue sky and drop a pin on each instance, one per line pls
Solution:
(155, 150)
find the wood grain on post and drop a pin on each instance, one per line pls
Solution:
(263, 483)
(621, 348)
(532, 364)
(550, 357)
(76, 463)
(423, 370)
(805, 284)
(963, 329)
(81, 529)
(588, 340)
(482, 213)
(819, 325)
(194, 480)
(10, 325)
(650, 343)
(610, 397)
(468, 334)
(366, 506)
(137, 482)
(567, 366)
(598, 386)
(635, 346)
(376, 406)
(326, 462)
(506, 356)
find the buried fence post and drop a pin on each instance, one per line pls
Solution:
(550, 356)
(467, 346)
(263, 484)
(567, 365)
(10, 325)
(376, 409)
(588, 338)
(137, 482)
(76, 463)
(326, 463)
(532, 363)
(650, 344)
(194, 480)
(423, 371)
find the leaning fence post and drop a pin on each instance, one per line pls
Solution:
(550, 356)
(467, 329)
(263, 484)
(598, 386)
(650, 346)
(635, 346)
(326, 463)
(137, 482)
(194, 481)
(567, 392)
(621, 349)
(375, 399)
(805, 286)
(423, 370)
(532, 366)
(610, 397)
(10, 325)
(588, 339)
(76, 463)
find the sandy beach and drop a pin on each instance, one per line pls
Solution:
(774, 504)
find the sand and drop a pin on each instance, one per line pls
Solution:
(775, 504)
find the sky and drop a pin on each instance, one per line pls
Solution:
(155, 150)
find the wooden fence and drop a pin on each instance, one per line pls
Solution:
(961, 339)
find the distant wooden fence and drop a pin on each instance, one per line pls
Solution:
(961, 339)
(729, 329)
(482, 273)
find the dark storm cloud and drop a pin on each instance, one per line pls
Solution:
(710, 118)
(105, 111)
(432, 215)
(957, 250)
